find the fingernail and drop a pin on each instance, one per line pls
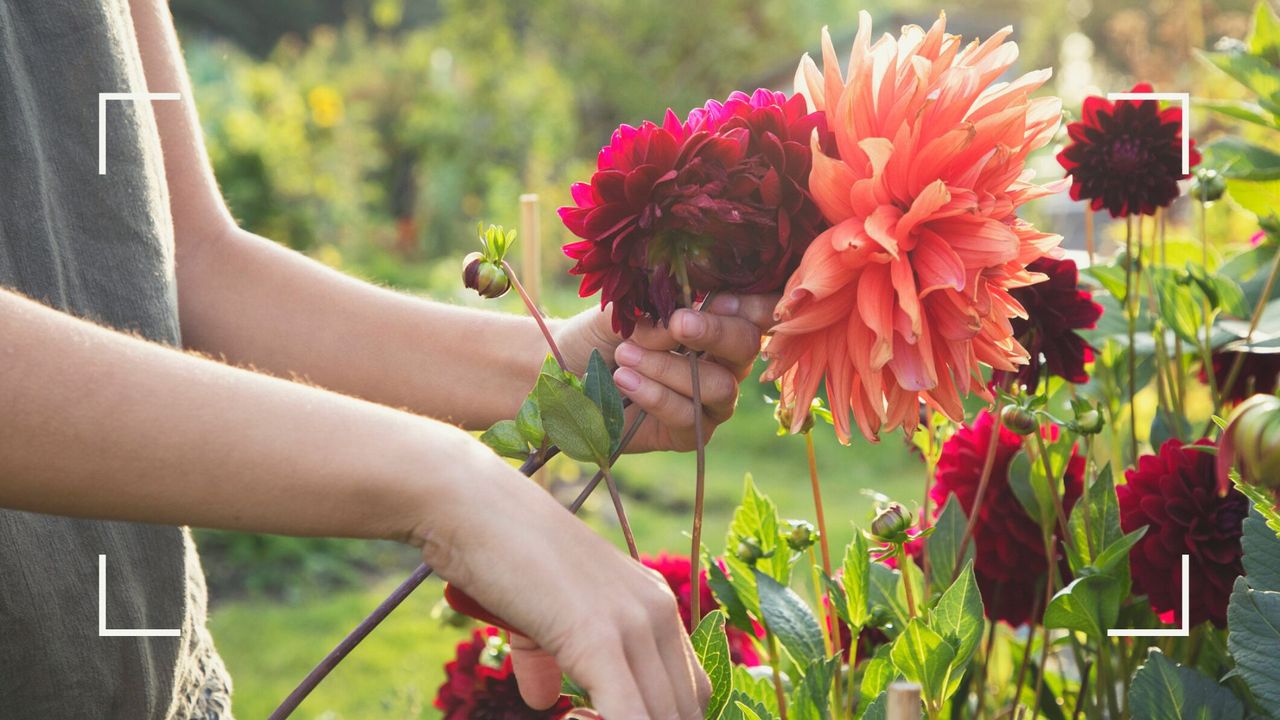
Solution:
(725, 304)
(692, 324)
(626, 378)
(628, 354)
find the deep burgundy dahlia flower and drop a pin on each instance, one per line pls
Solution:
(1259, 373)
(1174, 493)
(723, 194)
(480, 684)
(675, 570)
(1055, 309)
(1126, 155)
(1009, 553)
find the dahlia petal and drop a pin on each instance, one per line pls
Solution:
(937, 265)
(875, 288)
(828, 181)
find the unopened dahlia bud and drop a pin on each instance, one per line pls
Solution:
(802, 536)
(892, 524)
(1208, 186)
(749, 550)
(487, 278)
(1251, 443)
(1088, 419)
(784, 413)
(1019, 420)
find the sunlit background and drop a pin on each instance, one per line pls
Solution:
(374, 134)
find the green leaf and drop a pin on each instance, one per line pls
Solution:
(1111, 277)
(711, 645)
(1253, 619)
(754, 689)
(944, 544)
(857, 581)
(1163, 690)
(885, 591)
(790, 620)
(1253, 72)
(1264, 37)
(529, 422)
(1103, 522)
(757, 518)
(958, 618)
(506, 440)
(1168, 426)
(1088, 604)
(1239, 159)
(572, 421)
(1116, 555)
(877, 709)
(727, 594)
(1230, 296)
(1260, 197)
(1242, 110)
(877, 674)
(1026, 480)
(1180, 310)
(598, 386)
(1261, 553)
(924, 657)
(812, 697)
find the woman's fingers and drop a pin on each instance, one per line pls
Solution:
(537, 673)
(670, 371)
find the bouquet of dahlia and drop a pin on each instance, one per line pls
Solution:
(1099, 433)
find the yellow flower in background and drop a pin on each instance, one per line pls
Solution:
(326, 106)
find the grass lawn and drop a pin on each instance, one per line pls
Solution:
(269, 645)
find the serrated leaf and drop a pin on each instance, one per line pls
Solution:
(812, 697)
(1111, 277)
(1103, 523)
(727, 595)
(1162, 690)
(923, 657)
(529, 422)
(885, 591)
(1181, 311)
(1116, 555)
(958, 618)
(757, 518)
(572, 421)
(1261, 553)
(711, 645)
(504, 439)
(756, 688)
(1253, 620)
(1033, 495)
(944, 544)
(877, 709)
(857, 581)
(600, 389)
(877, 674)
(790, 620)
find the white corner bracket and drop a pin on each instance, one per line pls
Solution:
(1183, 99)
(102, 117)
(103, 630)
(1183, 631)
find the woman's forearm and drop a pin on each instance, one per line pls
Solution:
(261, 305)
(100, 424)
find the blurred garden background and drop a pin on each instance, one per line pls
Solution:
(374, 134)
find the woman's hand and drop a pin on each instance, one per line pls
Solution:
(610, 623)
(656, 378)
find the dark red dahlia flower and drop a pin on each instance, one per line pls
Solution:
(1126, 156)
(1009, 553)
(1259, 373)
(1056, 308)
(675, 570)
(723, 193)
(1174, 493)
(480, 685)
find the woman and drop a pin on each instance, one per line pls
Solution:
(279, 418)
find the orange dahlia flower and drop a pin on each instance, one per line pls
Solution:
(908, 291)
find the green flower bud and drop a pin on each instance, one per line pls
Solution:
(1019, 420)
(1252, 441)
(1208, 185)
(1088, 420)
(487, 278)
(749, 550)
(891, 524)
(785, 415)
(802, 535)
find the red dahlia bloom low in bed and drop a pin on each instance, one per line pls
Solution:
(480, 684)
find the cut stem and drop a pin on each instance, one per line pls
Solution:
(537, 315)
(1131, 315)
(700, 449)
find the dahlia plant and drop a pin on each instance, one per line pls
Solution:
(1089, 426)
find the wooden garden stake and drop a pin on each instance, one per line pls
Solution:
(904, 701)
(531, 246)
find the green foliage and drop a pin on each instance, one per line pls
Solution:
(857, 581)
(1162, 690)
(1253, 615)
(943, 546)
(505, 438)
(811, 699)
(788, 618)
(599, 388)
(711, 645)
(572, 421)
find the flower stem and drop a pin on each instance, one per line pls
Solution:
(1058, 508)
(981, 693)
(1131, 315)
(832, 625)
(700, 450)
(397, 596)
(900, 551)
(777, 673)
(537, 315)
(992, 445)
(622, 513)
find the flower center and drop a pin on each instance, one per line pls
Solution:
(1126, 155)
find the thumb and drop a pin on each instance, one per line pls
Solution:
(537, 673)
